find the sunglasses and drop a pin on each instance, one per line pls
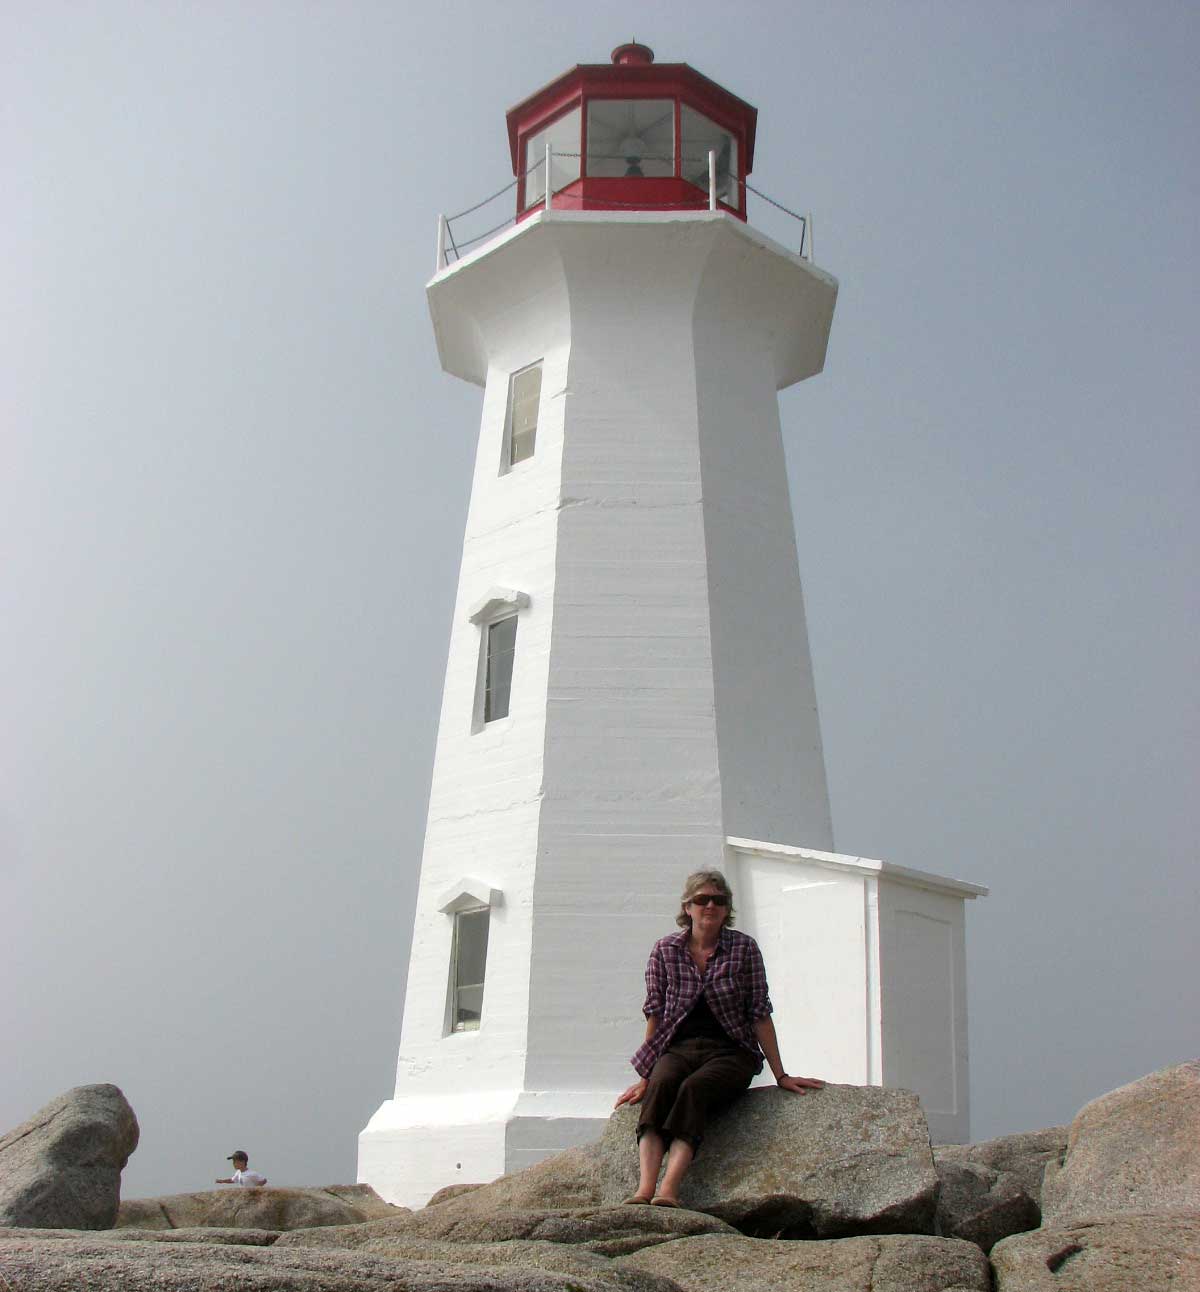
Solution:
(703, 899)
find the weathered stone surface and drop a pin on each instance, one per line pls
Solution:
(452, 1191)
(365, 1200)
(62, 1167)
(981, 1205)
(266, 1208)
(1026, 1155)
(883, 1263)
(607, 1231)
(98, 1264)
(566, 1180)
(846, 1159)
(1123, 1253)
(558, 1257)
(235, 1237)
(1132, 1150)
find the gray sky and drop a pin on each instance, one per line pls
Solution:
(235, 481)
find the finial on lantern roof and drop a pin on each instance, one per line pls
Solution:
(633, 55)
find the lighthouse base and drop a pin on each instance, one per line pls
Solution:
(413, 1147)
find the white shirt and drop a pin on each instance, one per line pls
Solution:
(248, 1179)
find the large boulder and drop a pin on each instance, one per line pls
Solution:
(1025, 1156)
(95, 1262)
(842, 1160)
(266, 1208)
(62, 1167)
(607, 1231)
(982, 1206)
(1124, 1253)
(884, 1263)
(1132, 1150)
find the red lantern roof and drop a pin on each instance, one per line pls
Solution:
(632, 134)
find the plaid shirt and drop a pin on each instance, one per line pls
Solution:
(734, 983)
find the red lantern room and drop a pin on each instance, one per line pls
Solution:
(633, 135)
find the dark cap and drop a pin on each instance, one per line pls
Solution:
(238, 1152)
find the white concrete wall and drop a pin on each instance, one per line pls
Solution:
(486, 790)
(772, 765)
(922, 942)
(639, 723)
(816, 928)
(632, 799)
(867, 967)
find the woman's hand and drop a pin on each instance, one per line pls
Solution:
(800, 1085)
(634, 1094)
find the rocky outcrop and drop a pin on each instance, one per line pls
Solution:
(1126, 1253)
(1132, 1150)
(570, 1179)
(889, 1263)
(452, 1191)
(980, 1205)
(843, 1160)
(94, 1262)
(1025, 1156)
(846, 1169)
(233, 1237)
(606, 1231)
(62, 1167)
(266, 1208)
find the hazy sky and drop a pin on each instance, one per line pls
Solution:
(235, 482)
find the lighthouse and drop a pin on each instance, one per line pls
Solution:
(629, 692)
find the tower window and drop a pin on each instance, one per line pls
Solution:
(501, 647)
(468, 959)
(524, 396)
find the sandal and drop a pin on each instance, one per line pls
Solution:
(659, 1201)
(635, 1200)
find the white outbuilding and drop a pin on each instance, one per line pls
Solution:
(629, 694)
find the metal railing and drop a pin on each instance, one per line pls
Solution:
(448, 245)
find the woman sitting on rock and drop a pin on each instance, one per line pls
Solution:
(708, 1026)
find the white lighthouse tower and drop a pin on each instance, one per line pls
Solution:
(629, 694)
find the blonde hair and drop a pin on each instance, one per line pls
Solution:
(693, 884)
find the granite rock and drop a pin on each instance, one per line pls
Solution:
(62, 1167)
(452, 1191)
(570, 1179)
(607, 1231)
(96, 1263)
(837, 1161)
(1025, 1156)
(879, 1263)
(265, 1208)
(981, 1205)
(1132, 1150)
(234, 1237)
(1120, 1253)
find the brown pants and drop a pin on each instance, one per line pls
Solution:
(690, 1080)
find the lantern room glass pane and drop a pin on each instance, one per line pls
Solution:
(631, 138)
(563, 137)
(700, 136)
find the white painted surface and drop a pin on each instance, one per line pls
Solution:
(867, 967)
(662, 691)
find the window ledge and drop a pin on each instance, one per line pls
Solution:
(467, 894)
(496, 603)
